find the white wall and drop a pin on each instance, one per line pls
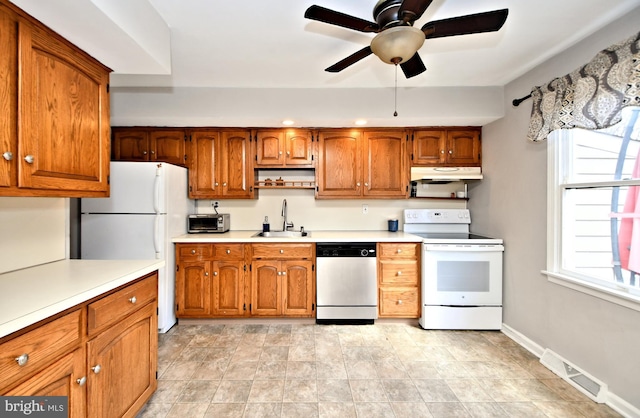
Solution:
(32, 231)
(600, 337)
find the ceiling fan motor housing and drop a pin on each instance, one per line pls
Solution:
(385, 13)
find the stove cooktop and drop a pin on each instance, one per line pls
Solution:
(456, 238)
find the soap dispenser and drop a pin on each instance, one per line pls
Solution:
(265, 224)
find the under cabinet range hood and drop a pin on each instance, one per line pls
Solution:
(445, 174)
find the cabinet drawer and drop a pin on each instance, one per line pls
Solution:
(39, 347)
(116, 306)
(228, 251)
(399, 250)
(282, 251)
(194, 251)
(399, 272)
(399, 302)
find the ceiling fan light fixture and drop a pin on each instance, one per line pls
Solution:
(397, 44)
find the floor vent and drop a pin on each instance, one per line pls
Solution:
(585, 383)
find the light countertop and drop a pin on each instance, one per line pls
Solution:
(36, 293)
(316, 236)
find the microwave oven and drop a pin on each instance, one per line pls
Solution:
(208, 224)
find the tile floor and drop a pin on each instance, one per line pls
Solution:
(382, 370)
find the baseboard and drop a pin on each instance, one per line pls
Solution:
(615, 402)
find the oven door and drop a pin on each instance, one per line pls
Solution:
(462, 275)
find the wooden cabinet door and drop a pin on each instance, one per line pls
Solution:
(8, 98)
(463, 147)
(168, 146)
(130, 145)
(62, 378)
(122, 364)
(64, 116)
(429, 147)
(204, 170)
(266, 297)
(339, 163)
(228, 288)
(297, 288)
(193, 288)
(269, 148)
(384, 164)
(237, 181)
(298, 150)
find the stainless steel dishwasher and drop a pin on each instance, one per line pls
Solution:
(346, 283)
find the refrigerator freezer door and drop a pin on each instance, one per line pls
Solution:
(136, 187)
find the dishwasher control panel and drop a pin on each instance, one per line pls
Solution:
(346, 249)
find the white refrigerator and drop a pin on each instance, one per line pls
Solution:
(147, 208)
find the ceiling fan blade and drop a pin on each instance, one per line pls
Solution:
(332, 17)
(412, 10)
(465, 25)
(413, 67)
(351, 59)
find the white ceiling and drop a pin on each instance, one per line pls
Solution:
(269, 44)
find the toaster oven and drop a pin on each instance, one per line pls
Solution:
(208, 224)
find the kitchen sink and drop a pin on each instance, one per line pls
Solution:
(283, 234)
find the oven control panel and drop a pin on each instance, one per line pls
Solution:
(437, 216)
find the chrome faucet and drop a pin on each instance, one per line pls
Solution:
(285, 225)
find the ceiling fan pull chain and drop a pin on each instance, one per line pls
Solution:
(395, 103)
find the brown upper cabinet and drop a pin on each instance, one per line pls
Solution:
(362, 164)
(281, 148)
(220, 164)
(447, 147)
(54, 132)
(144, 144)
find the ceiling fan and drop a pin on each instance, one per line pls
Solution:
(397, 41)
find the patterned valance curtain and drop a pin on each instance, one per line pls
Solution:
(591, 97)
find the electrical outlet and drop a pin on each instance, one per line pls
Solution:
(365, 209)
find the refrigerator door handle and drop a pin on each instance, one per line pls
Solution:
(156, 236)
(156, 190)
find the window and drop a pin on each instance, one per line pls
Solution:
(592, 175)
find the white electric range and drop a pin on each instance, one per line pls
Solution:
(461, 272)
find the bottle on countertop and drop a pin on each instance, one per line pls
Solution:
(265, 225)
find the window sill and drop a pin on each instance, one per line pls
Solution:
(619, 297)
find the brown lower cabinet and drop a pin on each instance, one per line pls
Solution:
(398, 280)
(240, 280)
(101, 354)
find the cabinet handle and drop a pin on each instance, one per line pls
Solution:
(224, 184)
(288, 153)
(96, 369)
(8, 156)
(399, 301)
(29, 159)
(399, 273)
(22, 360)
(193, 251)
(450, 151)
(279, 273)
(228, 251)
(215, 273)
(133, 299)
(216, 183)
(206, 273)
(281, 251)
(153, 152)
(399, 251)
(144, 152)
(442, 151)
(358, 184)
(366, 185)
(280, 153)
(82, 380)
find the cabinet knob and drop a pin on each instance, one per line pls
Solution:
(288, 153)
(228, 251)
(29, 159)
(224, 184)
(281, 251)
(450, 151)
(82, 380)
(366, 185)
(358, 184)
(216, 183)
(399, 301)
(399, 251)
(153, 152)
(133, 299)
(206, 273)
(193, 251)
(7, 156)
(96, 369)
(442, 151)
(22, 360)
(144, 152)
(215, 273)
(280, 153)
(399, 273)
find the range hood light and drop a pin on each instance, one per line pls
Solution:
(445, 174)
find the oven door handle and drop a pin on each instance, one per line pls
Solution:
(464, 248)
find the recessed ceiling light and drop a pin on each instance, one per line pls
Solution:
(287, 122)
(361, 122)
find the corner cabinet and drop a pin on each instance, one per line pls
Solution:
(362, 164)
(101, 354)
(220, 165)
(143, 144)
(447, 147)
(55, 129)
